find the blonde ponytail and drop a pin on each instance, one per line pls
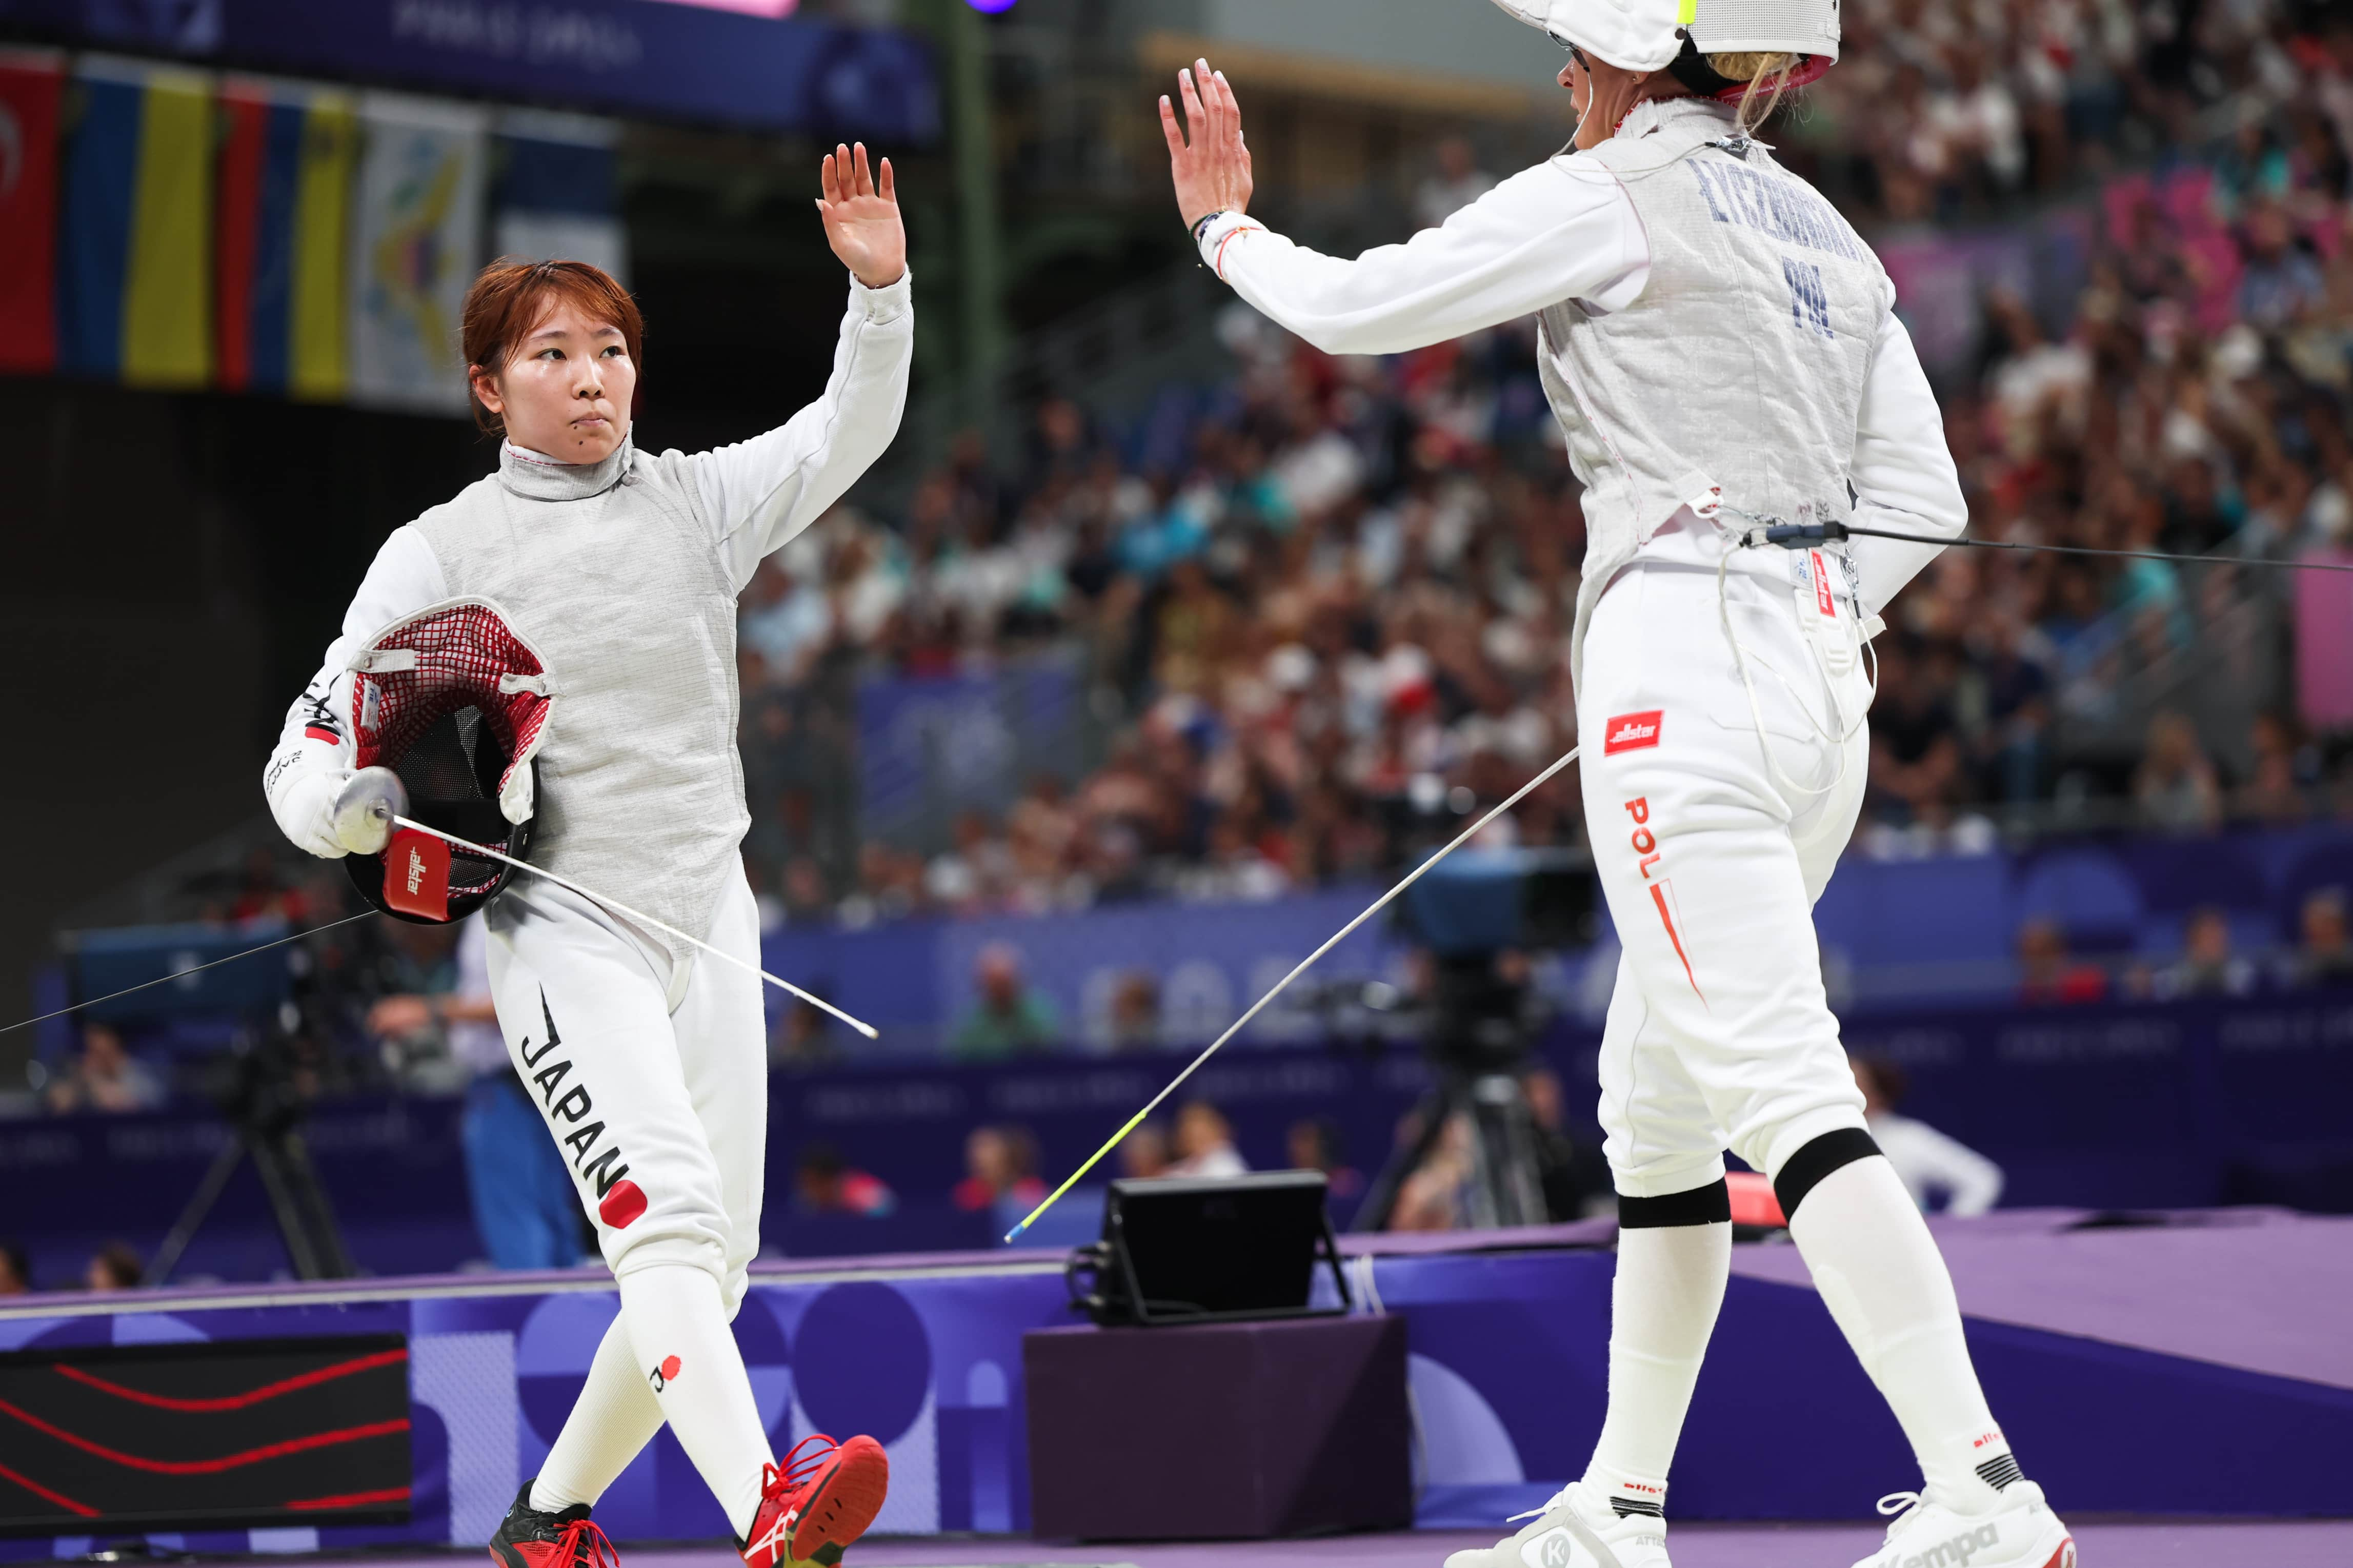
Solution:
(1768, 73)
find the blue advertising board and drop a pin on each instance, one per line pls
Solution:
(2188, 1104)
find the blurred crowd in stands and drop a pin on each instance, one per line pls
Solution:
(113, 1266)
(1325, 606)
(1002, 1176)
(1321, 610)
(1948, 110)
(2212, 962)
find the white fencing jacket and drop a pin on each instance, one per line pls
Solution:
(1567, 233)
(624, 574)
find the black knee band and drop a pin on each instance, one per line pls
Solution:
(1804, 1170)
(1710, 1205)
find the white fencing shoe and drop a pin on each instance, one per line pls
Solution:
(2021, 1533)
(1578, 1529)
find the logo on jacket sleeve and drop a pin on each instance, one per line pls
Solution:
(1632, 732)
(320, 721)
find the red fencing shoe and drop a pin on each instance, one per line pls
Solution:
(822, 1497)
(527, 1538)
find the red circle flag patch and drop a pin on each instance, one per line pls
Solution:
(669, 1368)
(623, 1203)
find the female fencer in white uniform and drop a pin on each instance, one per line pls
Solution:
(620, 570)
(1720, 348)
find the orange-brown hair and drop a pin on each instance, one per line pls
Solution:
(513, 296)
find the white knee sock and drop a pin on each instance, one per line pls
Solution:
(614, 1418)
(678, 1326)
(1662, 1308)
(1886, 1284)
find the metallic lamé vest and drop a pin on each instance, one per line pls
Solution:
(1739, 368)
(611, 573)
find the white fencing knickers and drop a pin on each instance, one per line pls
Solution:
(651, 1075)
(1719, 1035)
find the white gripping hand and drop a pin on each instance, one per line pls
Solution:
(362, 814)
(302, 783)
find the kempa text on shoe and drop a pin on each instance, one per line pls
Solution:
(1956, 1552)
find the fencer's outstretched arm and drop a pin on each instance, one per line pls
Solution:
(759, 493)
(313, 755)
(1902, 471)
(1559, 231)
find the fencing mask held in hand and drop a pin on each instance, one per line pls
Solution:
(453, 700)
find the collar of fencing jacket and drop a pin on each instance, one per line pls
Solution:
(536, 478)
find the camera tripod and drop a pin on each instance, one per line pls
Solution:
(1478, 1049)
(265, 1113)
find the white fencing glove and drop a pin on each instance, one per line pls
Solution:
(361, 814)
(302, 783)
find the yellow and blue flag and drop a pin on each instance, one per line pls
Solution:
(134, 279)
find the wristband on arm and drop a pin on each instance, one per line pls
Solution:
(1233, 223)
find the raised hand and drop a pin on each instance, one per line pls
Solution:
(861, 217)
(1213, 169)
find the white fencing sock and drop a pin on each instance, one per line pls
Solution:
(1886, 1284)
(614, 1418)
(1662, 1308)
(686, 1353)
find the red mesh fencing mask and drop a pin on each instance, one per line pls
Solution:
(456, 703)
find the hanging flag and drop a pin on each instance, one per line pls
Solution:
(286, 159)
(32, 90)
(167, 293)
(101, 160)
(557, 195)
(240, 236)
(135, 286)
(319, 330)
(416, 243)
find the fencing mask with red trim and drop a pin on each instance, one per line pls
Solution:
(454, 701)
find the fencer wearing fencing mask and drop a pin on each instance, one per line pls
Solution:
(1719, 347)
